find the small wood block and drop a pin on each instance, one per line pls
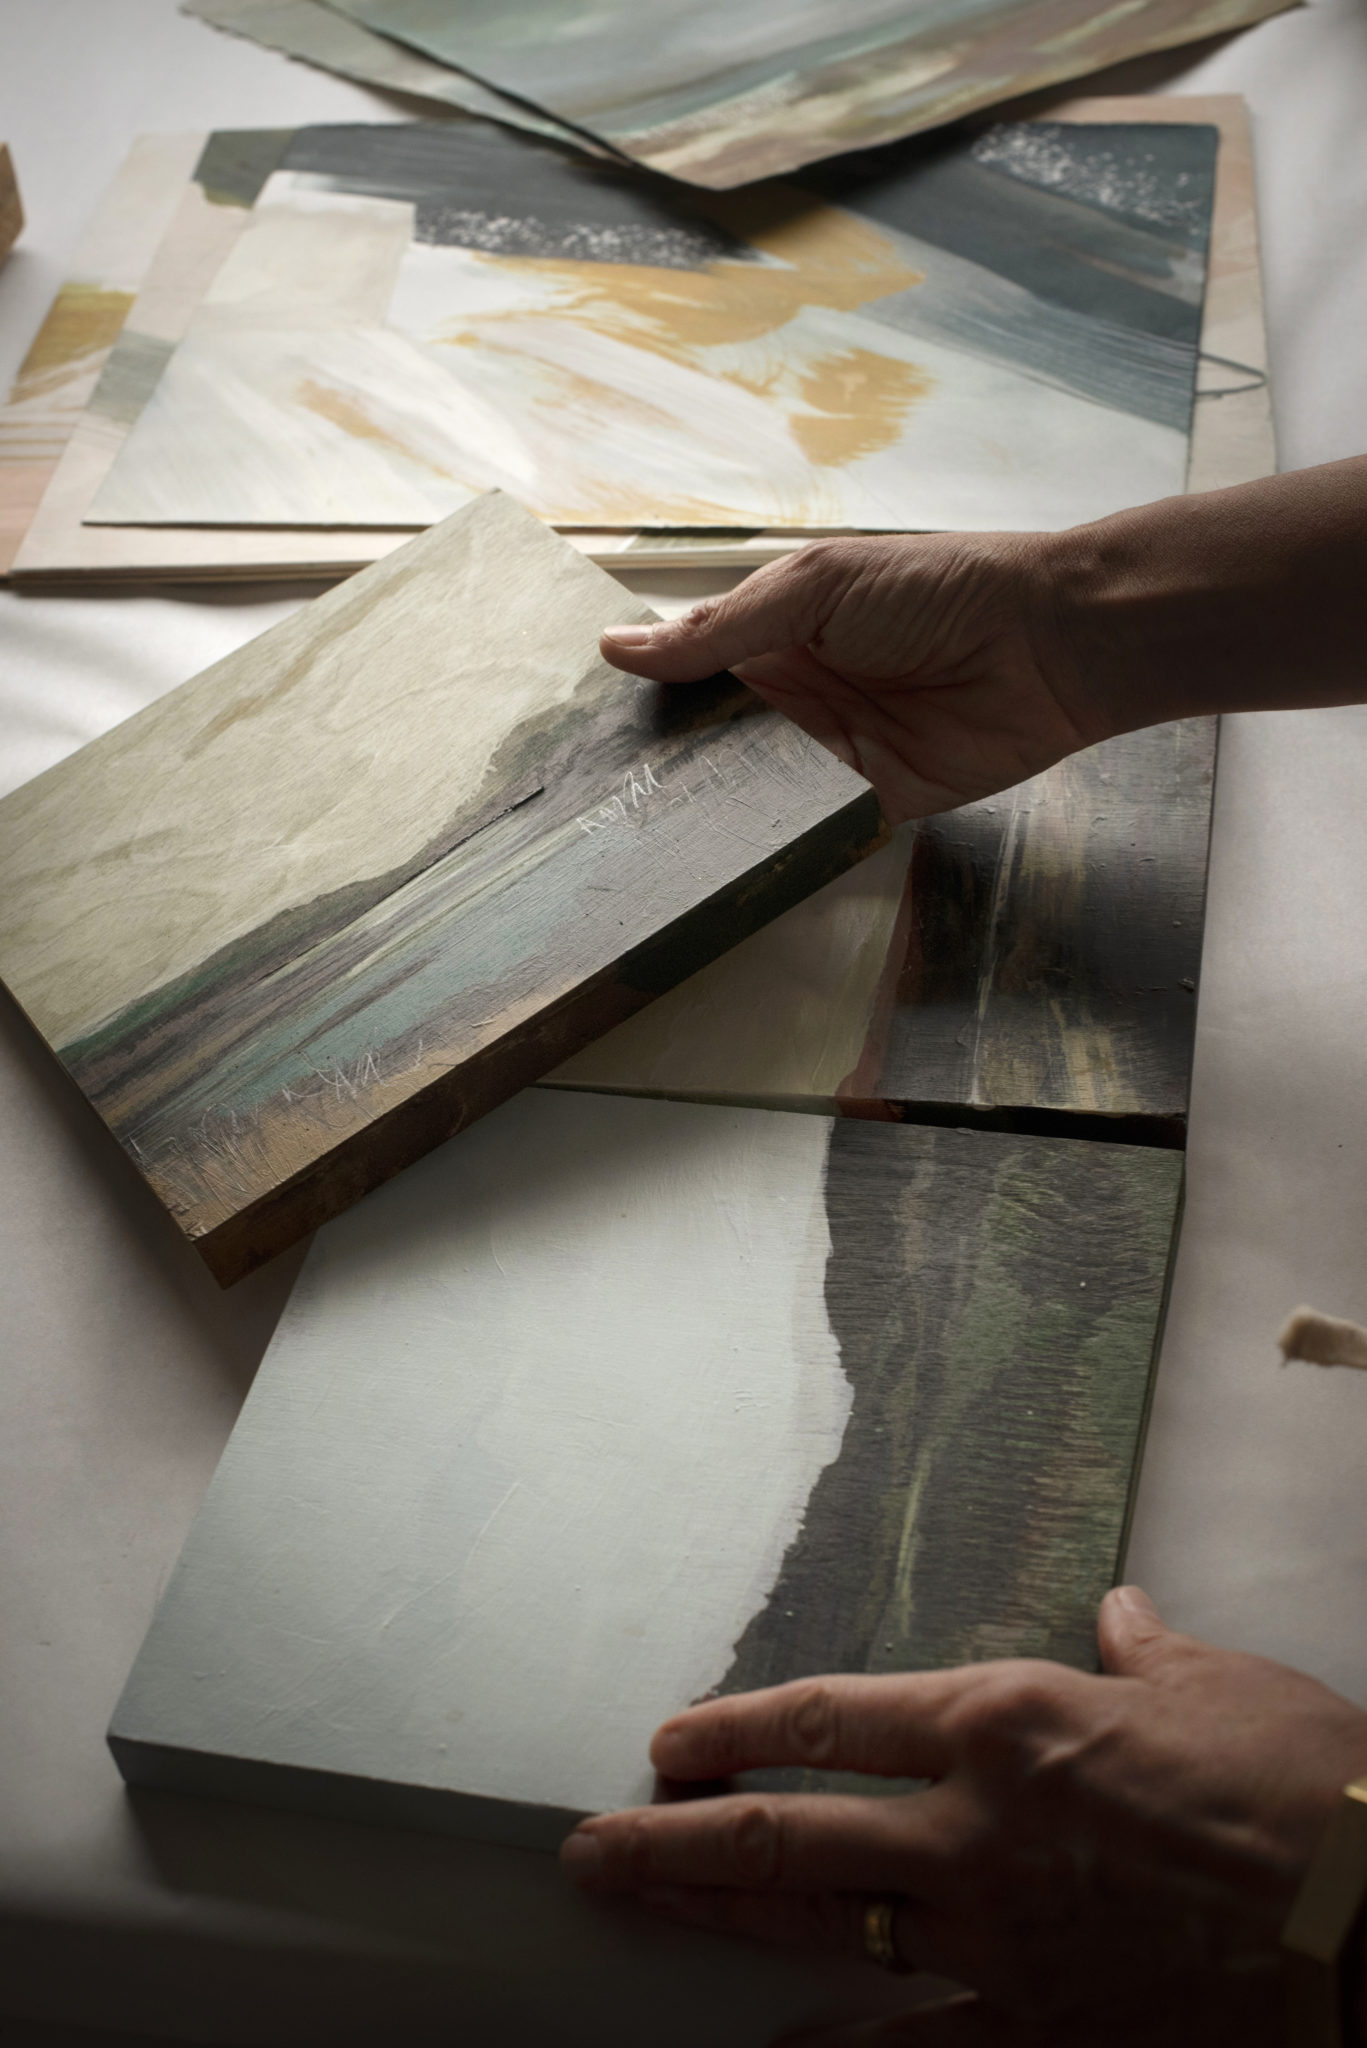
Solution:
(320, 908)
(11, 208)
(615, 1402)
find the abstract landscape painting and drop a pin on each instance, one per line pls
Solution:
(301, 919)
(1231, 438)
(1031, 960)
(996, 331)
(720, 95)
(611, 1404)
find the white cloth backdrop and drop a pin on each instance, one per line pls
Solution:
(123, 1365)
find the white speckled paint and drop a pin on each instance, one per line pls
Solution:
(539, 1423)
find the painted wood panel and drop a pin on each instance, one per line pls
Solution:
(311, 913)
(1026, 958)
(721, 96)
(615, 1403)
(1231, 431)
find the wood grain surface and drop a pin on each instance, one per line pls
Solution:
(614, 1403)
(311, 913)
(1023, 960)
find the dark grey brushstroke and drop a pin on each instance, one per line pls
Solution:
(1128, 174)
(978, 313)
(235, 163)
(1074, 254)
(980, 1499)
(475, 185)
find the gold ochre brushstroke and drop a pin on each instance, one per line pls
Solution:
(84, 319)
(353, 419)
(844, 405)
(859, 401)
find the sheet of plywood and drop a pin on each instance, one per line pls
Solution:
(1031, 956)
(298, 921)
(721, 96)
(1231, 435)
(614, 1403)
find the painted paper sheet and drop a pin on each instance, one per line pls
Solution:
(999, 331)
(609, 1404)
(721, 95)
(320, 35)
(1231, 432)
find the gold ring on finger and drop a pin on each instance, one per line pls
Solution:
(880, 1941)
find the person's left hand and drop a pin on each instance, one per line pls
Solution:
(1101, 1859)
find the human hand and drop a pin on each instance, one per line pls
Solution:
(1101, 1859)
(932, 664)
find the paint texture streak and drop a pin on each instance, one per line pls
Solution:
(1000, 1392)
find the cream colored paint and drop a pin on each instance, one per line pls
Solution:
(1231, 436)
(331, 749)
(524, 1458)
(576, 388)
(783, 1017)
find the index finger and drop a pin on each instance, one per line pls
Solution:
(890, 1726)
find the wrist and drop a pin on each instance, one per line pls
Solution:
(1120, 620)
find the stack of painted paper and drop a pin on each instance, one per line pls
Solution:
(883, 346)
(717, 95)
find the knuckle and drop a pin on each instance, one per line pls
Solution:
(1000, 1719)
(637, 1850)
(756, 1842)
(814, 1724)
(718, 1739)
(702, 620)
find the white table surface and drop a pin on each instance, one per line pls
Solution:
(123, 1365)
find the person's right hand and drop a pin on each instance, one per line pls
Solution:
(932, 664)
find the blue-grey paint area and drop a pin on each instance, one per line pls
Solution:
(630, 66)
(649, 800)
(1074, 253)
(1121, 239)
(973, 309)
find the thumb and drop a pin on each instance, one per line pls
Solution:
(1130, 1632)
(780, 606)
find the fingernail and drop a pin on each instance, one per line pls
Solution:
(1134, 1600)
(629, 636)
(581, 1857)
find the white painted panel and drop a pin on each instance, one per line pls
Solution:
(523, 1459)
